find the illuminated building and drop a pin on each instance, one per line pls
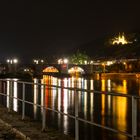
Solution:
(120, 40)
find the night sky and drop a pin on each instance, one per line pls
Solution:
(30, 29)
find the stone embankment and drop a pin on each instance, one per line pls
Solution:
(13, 128)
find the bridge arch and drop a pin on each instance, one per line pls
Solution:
(76, 70)
(50, 69)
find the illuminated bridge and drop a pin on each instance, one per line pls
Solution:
(65, 68)
(40, 69)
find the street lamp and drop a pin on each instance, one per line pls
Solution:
(15, 61)
(59, 61)
(65, 61)
(38, 61)
(11, 62)
(64, 64)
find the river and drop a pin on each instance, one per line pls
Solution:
(111, 111)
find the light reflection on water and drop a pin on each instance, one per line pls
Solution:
(15, 102)
(12, 103)
(114, 108)
(104, 109)
(7, 105)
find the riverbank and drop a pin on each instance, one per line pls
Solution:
(23, 77)
(13, 128)
(120, 75)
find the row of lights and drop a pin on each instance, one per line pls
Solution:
(38, 61)
(63, 61)
(41, 61)
(66, 61)
(12, 61)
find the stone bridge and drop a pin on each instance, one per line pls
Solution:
(64, 68)
(40, 69)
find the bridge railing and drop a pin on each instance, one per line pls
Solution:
(9, 95)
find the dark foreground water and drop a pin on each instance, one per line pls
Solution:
(111, 111)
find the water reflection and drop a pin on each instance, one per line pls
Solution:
(112, 111)
(36, 90)
(91, 99)
(8, 93)
(101, 108)
(43, 96)
(15, 101)
(114, 104)
(109, 85)
(12, 102)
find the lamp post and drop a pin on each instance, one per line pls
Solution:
(64, 64)
(12, 63)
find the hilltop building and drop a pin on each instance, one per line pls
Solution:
(121, 39)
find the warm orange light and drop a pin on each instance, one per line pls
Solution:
(76, 69)
(50, 69)
(120, 40)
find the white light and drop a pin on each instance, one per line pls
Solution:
(91, 62)
(59, 61)
(8, 61)
(65, 61)
(85, 62)
(109, 63)
(36, 61)
(15, 61)
(11, 61)
(42, 61)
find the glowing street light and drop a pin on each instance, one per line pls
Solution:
(65, 61)
(12, 64)
(8, 61)
(15, 61)
(59, 61)
(38, 61)
(64, 64)
(12, 61)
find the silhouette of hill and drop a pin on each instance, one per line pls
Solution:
(102, 48)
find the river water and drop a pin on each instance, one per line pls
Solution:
(111, 111)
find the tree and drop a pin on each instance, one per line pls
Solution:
(79, 58)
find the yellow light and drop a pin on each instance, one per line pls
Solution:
(108, 63)
(120, 40)
(75, 69)
(50, 69)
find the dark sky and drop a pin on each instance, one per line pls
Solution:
(31, 29)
